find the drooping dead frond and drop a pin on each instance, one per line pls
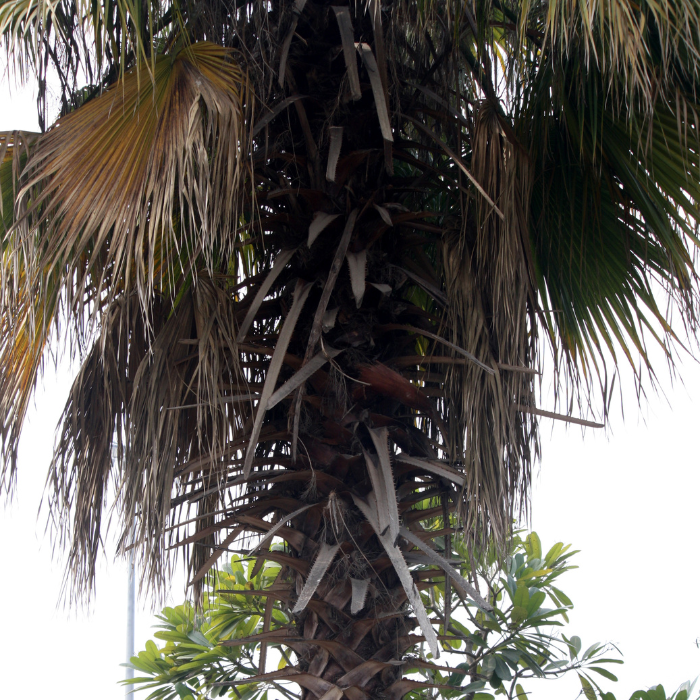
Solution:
(23, 336)
(82, 469)
(489, 287)
(23, 340)
(145, 403)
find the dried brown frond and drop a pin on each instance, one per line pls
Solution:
(122, 193)
(23, 336)
(490, 310)
(145, 404)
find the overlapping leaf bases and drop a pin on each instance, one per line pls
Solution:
(308, 272)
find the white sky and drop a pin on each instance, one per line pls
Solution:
(627, 498)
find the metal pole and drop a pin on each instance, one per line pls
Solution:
(130, 608)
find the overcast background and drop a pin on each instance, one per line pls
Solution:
(626, 497)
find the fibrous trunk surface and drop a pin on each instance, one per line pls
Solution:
(355, 374)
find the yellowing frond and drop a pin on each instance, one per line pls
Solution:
(113, 195)
(147, 170)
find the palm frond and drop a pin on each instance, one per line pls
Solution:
(490, 307)
(138, 178)
(125, 208)
(23, 337)
(643, 49)
(79, 40)
(613, 219)
(149, 399)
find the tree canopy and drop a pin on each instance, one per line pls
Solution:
(312, 256)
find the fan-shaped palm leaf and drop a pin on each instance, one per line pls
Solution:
(117, 195)
(125, 208)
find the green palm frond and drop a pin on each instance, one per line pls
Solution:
(613, 215)
(642, 48)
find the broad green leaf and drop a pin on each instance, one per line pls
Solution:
(555, 665)
(536, 574)
(535, 602)
(198, 638)
(562, 597)
(183, 691)
(533, 546)
(472, 687)
(587, 688)
(491, 625)
(518, 614)
(686, 688)
(605, 673)
(456, 679)
(553, 553)
(488, 666)
(574, 646)
(522, 596)
(502, 670)
(512, 655)
(591, 651)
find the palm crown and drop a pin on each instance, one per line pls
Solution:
(312, 254)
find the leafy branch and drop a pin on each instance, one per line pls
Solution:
(211, 652)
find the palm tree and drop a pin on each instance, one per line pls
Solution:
(311, 257)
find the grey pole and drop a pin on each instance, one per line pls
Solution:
(130, 608)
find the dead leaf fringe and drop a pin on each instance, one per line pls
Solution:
(139, 410)
(488, 311)
(82, 469)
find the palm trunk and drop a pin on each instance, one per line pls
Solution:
(367, 316)
(353, 620)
